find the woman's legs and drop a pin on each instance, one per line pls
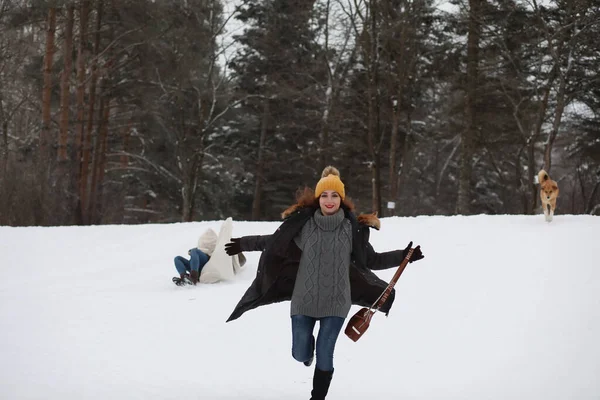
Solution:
(302, 348)
(302, 337)
(182, 265)
(198, 260)
(329, 330)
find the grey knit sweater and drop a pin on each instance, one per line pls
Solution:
(322, 286)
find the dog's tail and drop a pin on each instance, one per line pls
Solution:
(542, 176)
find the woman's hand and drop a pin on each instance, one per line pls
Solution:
(234, 246)
(416, 255)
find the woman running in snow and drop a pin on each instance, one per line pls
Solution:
(320, 258)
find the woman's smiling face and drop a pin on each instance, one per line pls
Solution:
(329, 201)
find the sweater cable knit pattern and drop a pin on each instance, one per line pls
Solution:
(322, 286)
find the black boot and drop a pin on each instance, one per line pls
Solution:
(184, 279)
(321, 382)
(194, 276)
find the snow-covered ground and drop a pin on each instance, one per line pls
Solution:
(502, 307)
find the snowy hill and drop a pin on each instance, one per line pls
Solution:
(502, 307)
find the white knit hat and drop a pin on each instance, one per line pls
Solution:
(207, 241)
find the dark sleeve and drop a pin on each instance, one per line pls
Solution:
(255, 243)
(385, 260)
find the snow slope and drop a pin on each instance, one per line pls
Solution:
(502, 307)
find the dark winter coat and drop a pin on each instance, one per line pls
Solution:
(278, 264)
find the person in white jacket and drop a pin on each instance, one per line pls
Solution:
(209, 263)
(190, 270)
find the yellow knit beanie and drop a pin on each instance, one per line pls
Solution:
(330, 180)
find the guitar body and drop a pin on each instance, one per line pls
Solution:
(359, 323)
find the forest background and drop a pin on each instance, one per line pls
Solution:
(139, 111)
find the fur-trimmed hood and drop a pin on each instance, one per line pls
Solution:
(369, 220)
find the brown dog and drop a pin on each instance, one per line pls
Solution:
(548, 194)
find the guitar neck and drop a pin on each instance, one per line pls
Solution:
(383, 298)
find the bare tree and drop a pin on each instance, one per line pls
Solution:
(529, 114)
(463, 205)
(401, 21)
(563, 36)
(337, 37)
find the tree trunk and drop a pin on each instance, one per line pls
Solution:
(5, 118)
(558, 113)
(102, 164)
(324, 152)
(124, 163)
(81, 67)
(406, 159)
(47, 90)
(373, 110)
(519, 180)
(44, 170)
(126, 133)
(4, 150)
(192, 171)
(393, 173)
(100, 148)
(376, 177)
(186, 214)
(4, 153)
(99, 156)
(65, 89)
(564, 40)
(532, 171)
(87, 138)
(323, 156)
(191, 187)
(463, 205)
(258, 185)
(400, 57)
(4, 193)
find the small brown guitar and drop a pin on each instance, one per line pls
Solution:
(359, 323)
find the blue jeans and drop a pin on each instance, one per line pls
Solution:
(302, 334)
(197, 260)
